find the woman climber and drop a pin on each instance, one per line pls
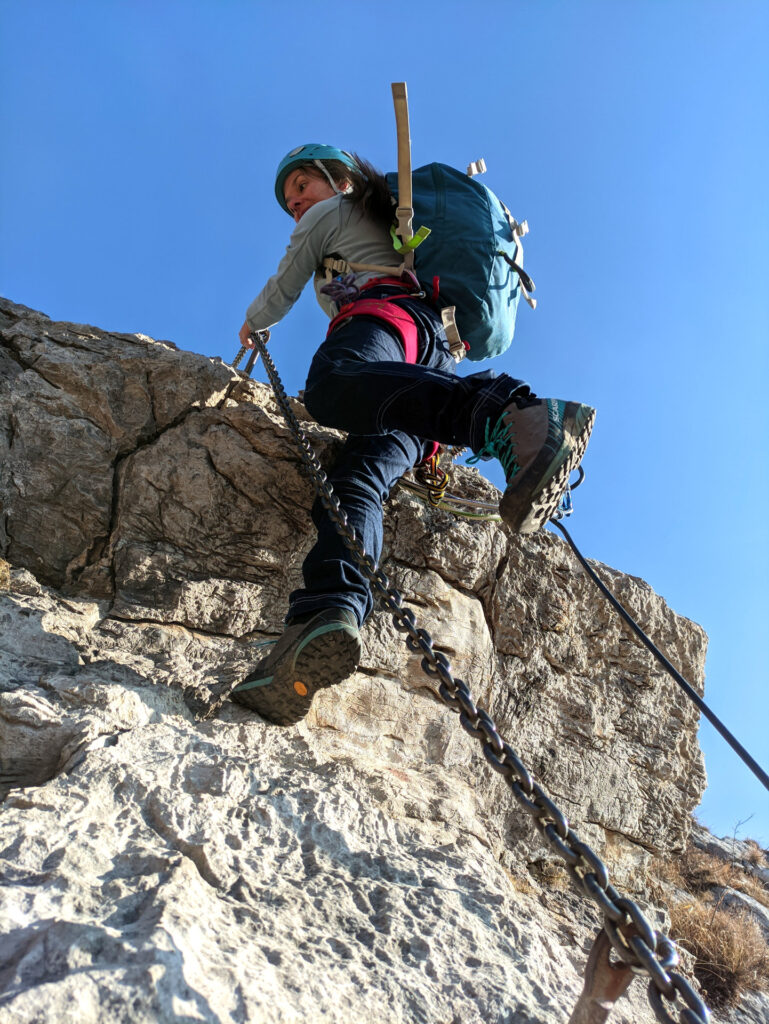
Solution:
(394, 390)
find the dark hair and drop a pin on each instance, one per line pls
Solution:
(370, 190)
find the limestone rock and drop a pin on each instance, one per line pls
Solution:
(742, 853)
(753, 1009)
(745, 904)
(76, 401)
(743, 862)
(368, 864)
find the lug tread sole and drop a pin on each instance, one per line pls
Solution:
(323, 662)
(530, 504)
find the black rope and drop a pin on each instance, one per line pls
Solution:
(528, 284)
(688, 689)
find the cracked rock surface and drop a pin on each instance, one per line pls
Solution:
(367, 865)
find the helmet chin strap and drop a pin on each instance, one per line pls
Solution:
(332, 183)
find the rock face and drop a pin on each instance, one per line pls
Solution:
(366, 865)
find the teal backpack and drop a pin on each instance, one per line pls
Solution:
(473, 247)
(467, 242)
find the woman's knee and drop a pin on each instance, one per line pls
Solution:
(327, 390)
(318, 400)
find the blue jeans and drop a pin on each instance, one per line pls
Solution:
(392, 410)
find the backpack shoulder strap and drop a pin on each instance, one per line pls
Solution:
(404, 239)
(405, 211)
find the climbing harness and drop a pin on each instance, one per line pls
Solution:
(639, 946)
(386, 309)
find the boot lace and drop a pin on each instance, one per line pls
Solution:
(498, 443)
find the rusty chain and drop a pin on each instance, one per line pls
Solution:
(635, 941)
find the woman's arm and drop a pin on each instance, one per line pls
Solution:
(311, 240)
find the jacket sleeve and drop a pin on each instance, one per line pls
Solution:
(311, 240)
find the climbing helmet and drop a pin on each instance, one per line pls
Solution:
(311, 153)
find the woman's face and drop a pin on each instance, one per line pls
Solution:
(303, 189)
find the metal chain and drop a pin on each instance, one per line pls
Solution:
(242, 374)
(636, 942)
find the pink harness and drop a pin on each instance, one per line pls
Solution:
(390, 313)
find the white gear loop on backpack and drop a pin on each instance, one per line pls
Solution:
(476, 167)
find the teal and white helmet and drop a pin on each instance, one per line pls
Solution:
(311, 153)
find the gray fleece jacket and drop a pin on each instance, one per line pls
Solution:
(332, 226)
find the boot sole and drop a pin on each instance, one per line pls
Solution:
(530, 503)
(324, 660)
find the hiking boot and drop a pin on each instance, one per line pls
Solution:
(309, 656)
(539, 441)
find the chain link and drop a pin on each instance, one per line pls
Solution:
(632, 936)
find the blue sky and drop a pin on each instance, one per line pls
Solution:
(139, 146)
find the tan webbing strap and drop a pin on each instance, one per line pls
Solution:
(405, 217)
(343, 267)
(405, 211)
(335, 266)
(456, 345)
